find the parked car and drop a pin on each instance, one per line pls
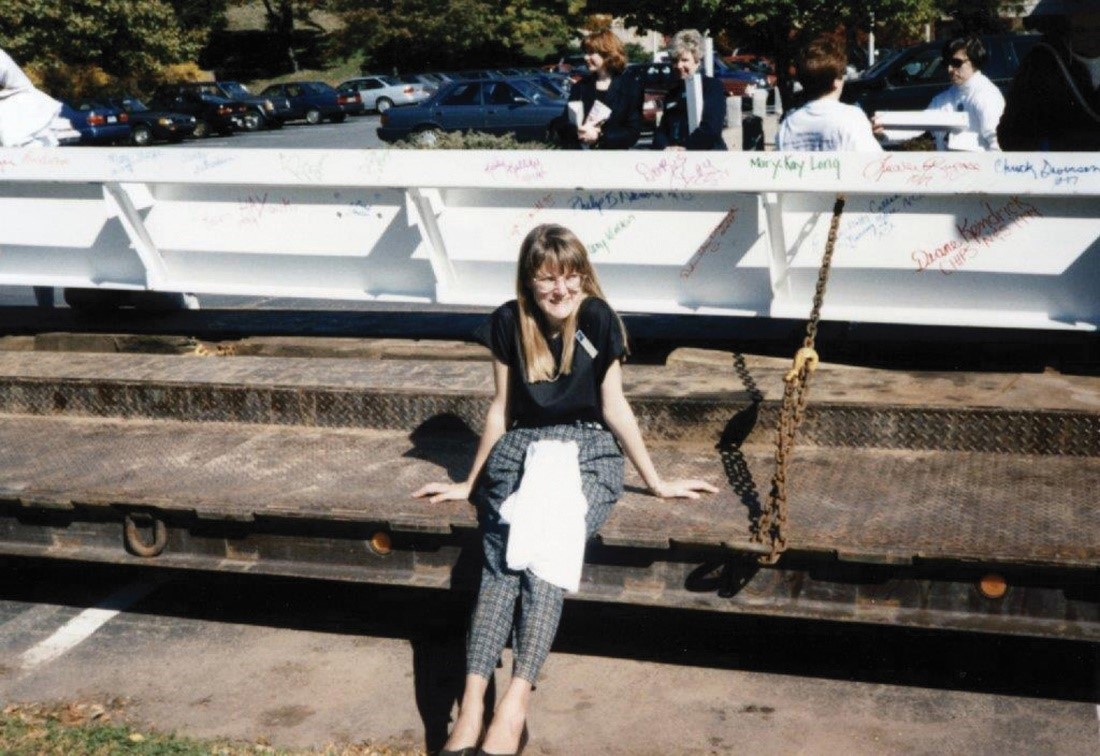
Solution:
(858, 59)
(212, 112)
(574, 66)
(311, 101)
(437, 78)
(148, 125)
(350, 100)
(470, 74)
(97, 122)
(738, 80)
(759, 63)
(657, 79)
(426, 82)
(497, 106)
(560, 83)
(259, 112)
(908, 79)
(383, 92)
(269, 112)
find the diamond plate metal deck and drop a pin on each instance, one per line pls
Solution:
(851, 408)
(868, 505)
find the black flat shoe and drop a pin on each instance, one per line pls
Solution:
(471, 751)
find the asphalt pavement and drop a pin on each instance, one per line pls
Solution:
(296, 663)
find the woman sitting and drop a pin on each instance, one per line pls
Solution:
(557, 351)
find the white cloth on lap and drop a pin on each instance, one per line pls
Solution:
(546, 515)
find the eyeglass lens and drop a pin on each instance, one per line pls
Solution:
(955, 62)
(547, 283)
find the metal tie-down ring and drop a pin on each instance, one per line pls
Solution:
(133, 540)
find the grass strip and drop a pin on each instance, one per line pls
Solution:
(81, 729)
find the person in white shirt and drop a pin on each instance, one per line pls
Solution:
(26, 113)
(825, 123)
(971, 92)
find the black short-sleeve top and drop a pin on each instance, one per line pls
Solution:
(569, 398)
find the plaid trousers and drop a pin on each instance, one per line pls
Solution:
(540, 603)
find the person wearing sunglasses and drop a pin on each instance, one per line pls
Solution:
(971, 92)
(557, 367)
(1054, 102)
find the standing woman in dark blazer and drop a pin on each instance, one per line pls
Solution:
(686, 52)
(606, 83)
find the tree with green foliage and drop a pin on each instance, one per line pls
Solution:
(95, 43)
(981, 16)
(201, 15)
(438, 34)
(283, 16)
(669, 17)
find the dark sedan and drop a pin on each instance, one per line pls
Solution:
(148, 125)
(212, 112)
(350, 100)
(909, 78)
(311, 101)
(499, 106)
(97, 122)
(263, 112)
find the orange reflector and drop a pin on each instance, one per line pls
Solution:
(380, 543)
(993, 586)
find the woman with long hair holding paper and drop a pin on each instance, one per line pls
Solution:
(696, 125)
(605, 107)
(551, 453)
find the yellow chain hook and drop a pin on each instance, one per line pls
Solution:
(804, 357)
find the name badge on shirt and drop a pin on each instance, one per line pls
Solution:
(586, 344)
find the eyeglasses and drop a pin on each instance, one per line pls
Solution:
(549, 283)
(955, 62)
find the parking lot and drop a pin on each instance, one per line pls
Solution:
(358, 132)
(295, 663)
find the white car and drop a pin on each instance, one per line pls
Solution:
(383, 92)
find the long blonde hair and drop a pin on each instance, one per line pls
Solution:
(557, 249)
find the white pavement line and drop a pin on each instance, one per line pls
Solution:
(80, 627)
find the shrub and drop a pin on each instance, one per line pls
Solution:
(64, 81)
(471, 140)
(184, 72)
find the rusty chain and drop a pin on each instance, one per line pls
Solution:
(769, 528)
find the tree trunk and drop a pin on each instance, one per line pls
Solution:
(280, 21)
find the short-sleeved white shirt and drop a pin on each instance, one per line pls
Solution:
(826, 125)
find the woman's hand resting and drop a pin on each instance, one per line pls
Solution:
(440, 492)
(688, 488)
(588, 134)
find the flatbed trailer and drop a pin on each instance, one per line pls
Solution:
(961, 500)
(947, 500)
